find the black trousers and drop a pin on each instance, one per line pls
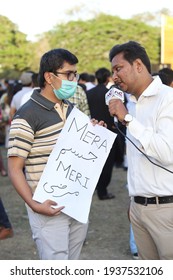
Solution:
(4, 220)
(106, 174)
(115, 158)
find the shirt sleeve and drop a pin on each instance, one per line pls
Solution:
(156, 140)
(21, 138)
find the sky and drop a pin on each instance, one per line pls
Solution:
(35, 16)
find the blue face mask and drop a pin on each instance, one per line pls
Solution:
(67, 90)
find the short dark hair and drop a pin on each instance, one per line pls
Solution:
(35, 80)
(131, 50)
(53, 60)
(168, 73)
(102, 75)
(84, 76)
(163, 76)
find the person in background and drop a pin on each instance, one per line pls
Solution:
(132, 244)
(79, 100)
(34, 85)
(26, 80)
(99, 111)
(34, 131)
(2, 167)
(83, 86)
(110, 83)
(87, 80)
(6, 230)
(150, 162)
(166, 76)
(5, 102)
(169, 74)
(93, 81)
(1, 89)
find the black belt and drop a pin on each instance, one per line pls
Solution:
(153, 200)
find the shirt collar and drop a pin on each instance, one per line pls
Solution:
(151, 90)
(42, 101)
(154, 87)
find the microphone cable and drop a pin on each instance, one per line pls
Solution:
(123, 134)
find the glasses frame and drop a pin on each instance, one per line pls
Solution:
(75, 75)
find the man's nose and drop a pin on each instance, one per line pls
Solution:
(114, 76)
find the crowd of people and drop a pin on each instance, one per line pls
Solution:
(33, 112)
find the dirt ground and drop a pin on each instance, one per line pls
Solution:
(108, 233)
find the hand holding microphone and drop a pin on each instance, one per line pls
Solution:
(114, 108)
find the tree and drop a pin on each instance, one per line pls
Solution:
(153, 19)
(15, 50)
(91, 40)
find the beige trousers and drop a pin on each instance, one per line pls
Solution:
(153, 230)
(58, 237)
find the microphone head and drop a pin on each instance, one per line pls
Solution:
(114, 92)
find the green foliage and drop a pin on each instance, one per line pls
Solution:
(92, 40)
(15, 50)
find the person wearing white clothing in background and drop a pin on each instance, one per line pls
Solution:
(34, 86)
(26, 80)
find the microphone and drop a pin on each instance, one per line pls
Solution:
(114, 93)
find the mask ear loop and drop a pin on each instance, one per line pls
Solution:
(52, 85)
(50, 78)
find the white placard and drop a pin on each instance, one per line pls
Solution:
(74, 166)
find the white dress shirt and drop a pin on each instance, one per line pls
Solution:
(152, 131)
(17, 98)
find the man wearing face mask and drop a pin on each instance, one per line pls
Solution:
(33, 134)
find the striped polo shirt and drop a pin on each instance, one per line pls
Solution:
(34, 131)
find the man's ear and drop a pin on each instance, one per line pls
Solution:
(47, 76)
(139, 65)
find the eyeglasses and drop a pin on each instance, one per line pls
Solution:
(70, 75)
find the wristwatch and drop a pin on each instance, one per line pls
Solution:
(128, 118)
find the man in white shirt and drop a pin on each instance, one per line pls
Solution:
(85, 79)
(150, 163)
(34, 85)
(26, 80)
